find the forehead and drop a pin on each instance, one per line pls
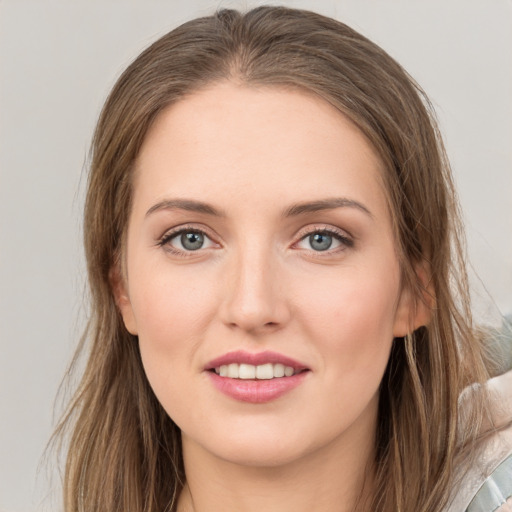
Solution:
(229, 138)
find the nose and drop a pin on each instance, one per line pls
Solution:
(255, 293)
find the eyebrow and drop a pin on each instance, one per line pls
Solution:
(297, 209)
(186, 204)
(325, 204)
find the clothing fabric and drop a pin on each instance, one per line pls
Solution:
(495, 490)
(487, 487)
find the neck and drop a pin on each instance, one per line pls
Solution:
(337, 477)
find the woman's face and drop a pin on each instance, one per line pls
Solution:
(261, 275)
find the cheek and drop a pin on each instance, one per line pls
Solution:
(172, 310)
(171, 304)
(352, 317)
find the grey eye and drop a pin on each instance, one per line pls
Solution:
(187, 241)
(191, 240)
(320, 241)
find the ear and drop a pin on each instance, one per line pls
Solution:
(119, 289)
(413, 310)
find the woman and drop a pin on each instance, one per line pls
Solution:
(280, 316)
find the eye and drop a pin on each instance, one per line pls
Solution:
(186, 240)
(191, 241)
(322, 240)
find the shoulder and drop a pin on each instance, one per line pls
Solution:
(487, 485)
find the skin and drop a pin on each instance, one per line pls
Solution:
(258, 284)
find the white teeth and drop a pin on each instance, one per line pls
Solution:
(233, 371)
(264, 371)
(248, 371)
(279, 370)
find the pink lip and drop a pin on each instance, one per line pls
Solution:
(242, 357)
(256, 391)
(253, 390)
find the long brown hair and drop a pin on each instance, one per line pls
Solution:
(123, 451)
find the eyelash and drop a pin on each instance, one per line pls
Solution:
(340, 236)
(345, 240)
(169, 235)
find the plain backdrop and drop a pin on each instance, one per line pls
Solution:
(57, 62)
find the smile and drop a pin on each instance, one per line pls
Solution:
(255, 378)
(265, 371)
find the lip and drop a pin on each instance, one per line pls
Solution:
(253, 390)
(256, 391)
(256, 359)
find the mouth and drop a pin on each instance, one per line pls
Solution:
(256, 378)
(265, 365)
(266, 371)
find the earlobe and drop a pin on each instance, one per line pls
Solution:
(120, 292)
(414, 310)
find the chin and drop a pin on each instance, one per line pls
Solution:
(254, 455)
(257, 447)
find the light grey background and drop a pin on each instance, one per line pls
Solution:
(57, 63)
